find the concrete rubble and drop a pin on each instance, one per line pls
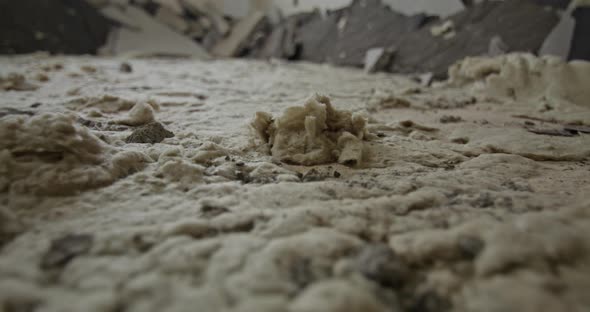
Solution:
(345, 36)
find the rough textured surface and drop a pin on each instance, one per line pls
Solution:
(474, 215)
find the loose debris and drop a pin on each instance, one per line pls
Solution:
(378, 59)
(346, 36)
(16, 82)
(313, 134)
(552, 131)
(65, 249)
(13, 111)
(450, 119)
(576, 129)
(125, 68)
(151, 133)
(381, 264)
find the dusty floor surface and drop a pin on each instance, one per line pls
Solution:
(471, 196)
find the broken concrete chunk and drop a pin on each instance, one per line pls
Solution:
(151, 133)
(65, 249)
(524, 27)
(142, 35)
(313, 134)
(171, 19)
(445, 29)
(580, 46)
(378, 59)
(173, 6)
(207, 8)
(239, 35)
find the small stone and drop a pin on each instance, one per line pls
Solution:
(301, 272)
(380, 263)
(65, 249)
(210, 211)
(88, 69)
(42, 77)
(337, 174)
(378, 59)
(450, 119)
(125, 68)
(470, 246)
(152, 133)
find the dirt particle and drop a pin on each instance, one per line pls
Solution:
(301, 272)
(101, 126)
(142, 242)
(470, 246)
(210, 211)
(429, 302)
(379, 263)
(450, 119)
(484, 200)
(42, 77)
(88, 69)
(65, 249)
(460, 140)
(125, 68)
(313, 175)
(337, 174)
(552, 131)
(244, 177)
(577, 128)
(151, 133)
(13, 111)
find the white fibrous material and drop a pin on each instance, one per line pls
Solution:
(314, 133)
(521, 76)
(49, 154)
